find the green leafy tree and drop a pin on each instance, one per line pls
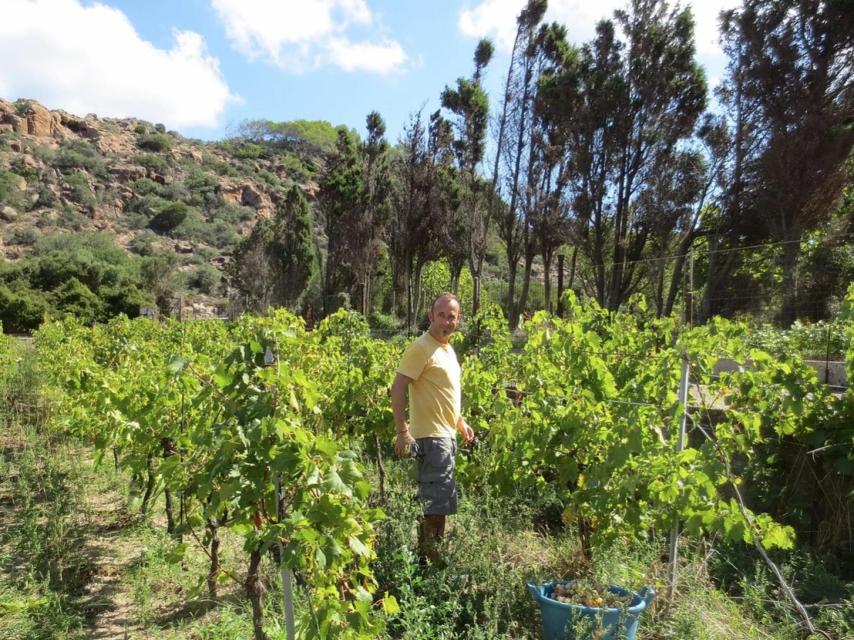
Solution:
(273, 265)
(789, 97)
(423, 197)
(514, 140)
(76, 299)
(627, 105)
(342, 198)
(292, 245)
(469, 230)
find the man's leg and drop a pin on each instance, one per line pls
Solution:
(437, 492)
(431, 532)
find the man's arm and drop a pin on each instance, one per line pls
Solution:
(398, 406)
(465, 430)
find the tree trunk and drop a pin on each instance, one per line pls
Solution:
(572, 267)
(676, 277)
(410, 309)
(659, 283)
(168, 451)
(718, 272)
(560, 259)
(149, 486)
(170, 518)
(547, 278)
(213, 573)
(511, 288)
(417, 302)
(790, 309)
(320, 273)
(526, 283)
(255, 593)
(475, 305)
(456, 271)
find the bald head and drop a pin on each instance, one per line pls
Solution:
(444, 296)
(444, 317)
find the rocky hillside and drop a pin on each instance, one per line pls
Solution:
(151, 190)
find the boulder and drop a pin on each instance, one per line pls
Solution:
(128, 172)
(30, 162)
(39, 121)
(159, 178)
(19, 125)
(182, 246)
(125, 193)
(122, 144)
(5, 127)
(250, 198)
(76, 125)
(8, 214)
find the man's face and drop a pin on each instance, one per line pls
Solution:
(444, 317)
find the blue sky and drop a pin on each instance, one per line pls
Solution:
(203, 66)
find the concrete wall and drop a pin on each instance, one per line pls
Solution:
(831, 373)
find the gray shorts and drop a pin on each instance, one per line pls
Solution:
(434, 470)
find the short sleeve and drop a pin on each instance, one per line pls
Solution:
(413, 362)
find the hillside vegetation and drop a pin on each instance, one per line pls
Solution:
(101, 216)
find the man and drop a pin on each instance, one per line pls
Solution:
(430, 372)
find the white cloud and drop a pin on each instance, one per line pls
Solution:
(492, 18)
(88, 59)
(497, 19)
(297, 35)
(377, 58)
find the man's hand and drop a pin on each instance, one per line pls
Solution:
(467, 431)
(403, 444)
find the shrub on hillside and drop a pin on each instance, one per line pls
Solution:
(23, 107)
(175, 191)
(25, 237)
(76, 299)
(218, 233)
(157, 142)
(70, 218)
(23, 169)
(172, 215)
(46, 198)
(21, 311)
(80, 191)
(9, 193)
(143, 243)
(44, 153)
(80, 154)
(298, 170)
(158, 164)
(145, 186)
(6, 139)
(204, 279)
(203, 189)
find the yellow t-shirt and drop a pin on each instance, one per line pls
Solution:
(434, 394)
